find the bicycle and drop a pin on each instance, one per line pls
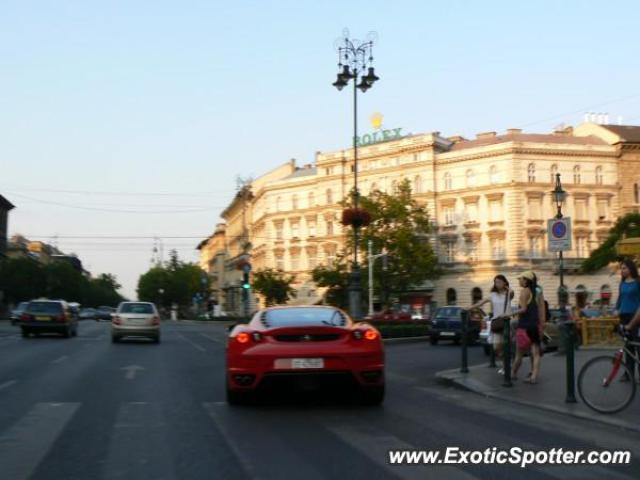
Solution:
(605, 383)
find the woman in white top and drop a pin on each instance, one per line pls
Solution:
(500, 299)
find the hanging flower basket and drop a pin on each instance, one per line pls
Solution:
(356, 217)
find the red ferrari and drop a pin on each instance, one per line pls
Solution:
(306, 348)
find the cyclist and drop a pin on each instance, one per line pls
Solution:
(628, 304)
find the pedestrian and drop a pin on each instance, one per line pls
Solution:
(500, 299)
(528, 327)
(628, 302)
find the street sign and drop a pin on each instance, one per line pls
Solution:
(559, 234)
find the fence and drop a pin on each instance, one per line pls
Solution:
(599, 331)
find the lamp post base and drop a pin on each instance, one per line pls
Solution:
(355, 293)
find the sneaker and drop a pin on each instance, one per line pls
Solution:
(501, 371)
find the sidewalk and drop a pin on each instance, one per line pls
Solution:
(548, 394)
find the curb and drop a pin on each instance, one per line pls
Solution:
(393, 341)
(462, 381)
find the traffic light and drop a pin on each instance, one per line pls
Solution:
(245, 281)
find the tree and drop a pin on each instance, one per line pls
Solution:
(399, 226)
(22, 279)
(274, 286)
(627, 226)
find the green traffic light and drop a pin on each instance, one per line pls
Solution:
(246, 286)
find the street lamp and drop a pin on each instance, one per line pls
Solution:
(559, 196)
(354, 58)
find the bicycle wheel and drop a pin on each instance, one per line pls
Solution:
(599, 396)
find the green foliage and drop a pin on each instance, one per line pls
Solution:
(175, 282)
(24, 279)
(399, 226)
(274, 285)
(627, 226)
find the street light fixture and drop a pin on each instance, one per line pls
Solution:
(559, 196)
(354, 57)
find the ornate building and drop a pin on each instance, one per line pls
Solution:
(489, 198)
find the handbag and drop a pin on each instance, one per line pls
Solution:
(497, 324)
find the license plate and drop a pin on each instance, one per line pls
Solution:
(447, 334)
(299, 363)
(43, 319)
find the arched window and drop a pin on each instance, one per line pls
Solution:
(599, 177)
(294, 202)
(471, 178)
(417, 184)
(452, 296)
(554, 172)
(312, 199)
(447, 181)
(476, 295)
(581, 296)
(493, 175)
(636, 193)
(576, 174)
(329, 196)
(531, 173)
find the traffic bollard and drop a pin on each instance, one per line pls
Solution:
(570, 346)
(506, 352)
(465, 329)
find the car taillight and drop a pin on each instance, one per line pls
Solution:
(155, 321)
(368, 334)
(246, 337)
(61, 318)
(25, 317)
(116, 320)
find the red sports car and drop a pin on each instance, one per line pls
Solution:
(307, 348)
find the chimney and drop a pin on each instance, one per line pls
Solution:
(485, 135)
(513, 131)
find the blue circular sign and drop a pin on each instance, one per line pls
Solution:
(559, 229)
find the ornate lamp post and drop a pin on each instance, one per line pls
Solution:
(354, 57)
(559, 196)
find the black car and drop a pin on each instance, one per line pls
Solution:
(48, 316)
(447, 324)
(104, 313)
(87, 313)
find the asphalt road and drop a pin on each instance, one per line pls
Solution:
(83, 408)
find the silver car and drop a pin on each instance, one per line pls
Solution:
(135, 319)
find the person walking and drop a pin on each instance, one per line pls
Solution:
(500, 299)
(528, 327)
(628, 302)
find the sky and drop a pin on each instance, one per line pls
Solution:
(134, 119)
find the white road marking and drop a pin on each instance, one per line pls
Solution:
(27, 442)
(213, 339)
(7, 384)
(193, 344)
(60, 360)
(131, 371)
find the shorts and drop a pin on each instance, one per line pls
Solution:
(525, 337)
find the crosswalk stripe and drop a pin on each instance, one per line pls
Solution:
(25, 444)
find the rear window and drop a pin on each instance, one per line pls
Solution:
(45, 307)
(302, 317)
(136, 308)
(448, 313)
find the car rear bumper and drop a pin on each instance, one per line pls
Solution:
(50, 326)
(135, 330)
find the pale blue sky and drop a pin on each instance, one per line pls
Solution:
(180, 97)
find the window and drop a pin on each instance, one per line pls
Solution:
(471, 178)
(329, 227)
(497, 248)
(312, 199)
(495, 210)
(295, 261)
(581, 247)
(278, 204)
(279, 262)
(295, 229)
(636, 193)
(449, 216)
(294, 202)
(417, 184)
(476, 295)
(493, 175)
(312, 259)
(452, 296)
(603, 209)
(472, 250)
(447, 181)
(374, 187)
(328, 171)
(599, 178)
(471, 212)
(279, 235)
(535, 208)
(331, 258)
(329, 194)
(311, 227)
(576, 174)
(581, 209)
(554, 172)
(531, 173)
(535, 243)
(449, 252)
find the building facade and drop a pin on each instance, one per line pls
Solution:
(489, 198)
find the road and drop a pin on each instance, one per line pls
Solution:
(83, 408)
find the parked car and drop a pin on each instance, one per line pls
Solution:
(306, 348)
(389, 316)
(136, 319)
(88, 313)
(447, 324)
(16, 312)
(104, 313)
(48, 316)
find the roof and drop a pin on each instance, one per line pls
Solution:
(302, 172)
(528, 137)
(628, 133)
(6, 204)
